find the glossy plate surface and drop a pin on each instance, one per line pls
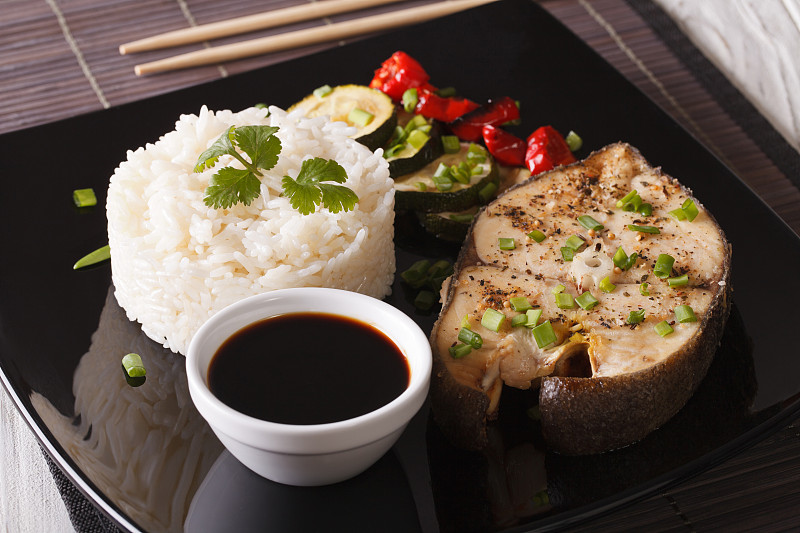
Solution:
(145, 455)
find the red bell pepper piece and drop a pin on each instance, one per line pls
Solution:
(469, 127)
(505, 147)
(431, 105)
(398, 73)
(546, 150)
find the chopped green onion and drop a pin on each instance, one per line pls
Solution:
(424, 300)
(451, 144)
(635, 317)
(633, 204)
(575, 242)
(84, 197)
(417, 273)
(446, 92)
(643, 289)
(559, 288)
(421, 187)
(620, 258)
(589, 223)
(417, 139)
(461, 217)
(392, 151)
(678, 281)
(679, 214)
(443, 182)
(663, 267)
(410, 100)
(645, 209)
(133, 365)
(417, 121)
(98, 256)
(520, 303)
(574, 142)
(544, 335)
(506, 243)
(492, 319)
(465, 322)
(460, 350)
(442, 170)
(461, 174)
(690, 209)
(684, 313)
(663, 328)
(467, 336)
(564, 300)
(644, 229)
(359, 117)
(606, 285)
(627, 198)
(323, 91)
(519, 320)
(533, 317)
(586, 300)
(567, 254)
(476, 153)
(537, 235)
(260, 105)
(487, 192)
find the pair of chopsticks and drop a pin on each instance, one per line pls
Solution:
(283, 41)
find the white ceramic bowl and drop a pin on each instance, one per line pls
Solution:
(309, 454)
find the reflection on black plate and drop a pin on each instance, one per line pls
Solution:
(146, 457)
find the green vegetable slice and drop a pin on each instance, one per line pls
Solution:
(606, 285)
(663, 328)
(663, 266)
(467, 336)
(635, 317)
(537, 235)
(101, 254)
(589, 223)
(544, 335)
(586, 300)
(520, 303)
(492, 319)
(684, 314)
(644, 229)
(564, 300)
(460, 350)
(84, 197)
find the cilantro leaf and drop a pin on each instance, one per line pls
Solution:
(308, 191)
(259, 143)
(230, 186)
(221, 146)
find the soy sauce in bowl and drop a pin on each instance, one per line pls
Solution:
(308, 368)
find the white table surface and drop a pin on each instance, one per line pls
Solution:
(754, 42)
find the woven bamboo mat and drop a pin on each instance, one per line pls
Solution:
(58, 58)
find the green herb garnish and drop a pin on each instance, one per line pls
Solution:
(308, 191)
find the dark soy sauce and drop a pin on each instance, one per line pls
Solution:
(308, 368)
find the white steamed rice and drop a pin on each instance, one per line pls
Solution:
(175, 261)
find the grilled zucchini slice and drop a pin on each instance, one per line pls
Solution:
(372, 112)
(426, 191)
(449, 226)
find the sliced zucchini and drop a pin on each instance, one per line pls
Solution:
(426, 191)
(449, 226)
(415, 143)
(369, 110)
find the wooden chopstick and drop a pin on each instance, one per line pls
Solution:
(331, 32)
(270, 19)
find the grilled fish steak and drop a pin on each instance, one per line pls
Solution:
(604, 383)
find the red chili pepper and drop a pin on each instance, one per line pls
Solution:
(546, 150)
(469, 127)
(505, 147)
(431, 105)
(398, 73)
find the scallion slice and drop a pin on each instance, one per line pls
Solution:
(567, 254)
(533, 317)
(506, 243)
(663, 267)
(467, 336)
(627, 198)
(424, 300)
(451, 144)
(132, 363)
(690, 209)
(360, 117)
(574, 141)
(635, 317)
(537, 235)
(421, 186)
(410, 100)
(417, 273)
(644, 229)
(586, 300)
(678, 281)
(544, 335)
(678, 214)
(492, 319)
(460, 350)
(417, 139)
(487, 192)
(643, 289)
(323, 91)
(564, 300)
(663, 328)
(84, 197)
(575, 242)
(519, 320)
(443, 182)
(684, 314)
(559, 288)
(620, 258)
(645, 209)
(606, 285)
(98, 256)
(465, 218)
(589, 223)
(520, 303)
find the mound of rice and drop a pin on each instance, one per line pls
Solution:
(175, 261)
